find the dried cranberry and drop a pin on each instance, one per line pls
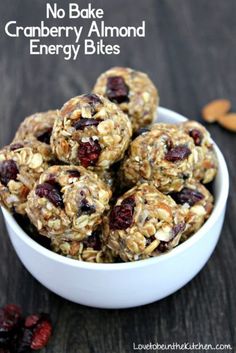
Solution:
(117, 90)
(52, 192)
(13, 310)
(51, 179)
(85, 122)
(73, 173)
(129, 201)
(41, 334)
(121, 217)
(45, 137)
(178, 228)
(89, 152)
(10, 317)
(8, 171)
(140, 131)
(86, 208)
(177, 153)
(187, 195)
(197, 136)
(15, 146)
(32, 320)
(93, 241)
(93, 98)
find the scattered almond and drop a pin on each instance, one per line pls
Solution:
(215, 109)
(228, 121)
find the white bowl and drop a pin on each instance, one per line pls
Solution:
(125, 285)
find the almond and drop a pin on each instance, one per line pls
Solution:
(228, 121)
(215, 109)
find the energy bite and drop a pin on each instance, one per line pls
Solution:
(143, 223)
(133, 91)
(196, 202)
(90, 249)
(21, 165)
(37, 127)
(205, 168)
(91, 131)
(68, 202)
(163, 155)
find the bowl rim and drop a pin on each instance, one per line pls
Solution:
(217, 211)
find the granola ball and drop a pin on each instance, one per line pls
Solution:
(163, 155)
(196, 202)
(133, 91)
(206, 167)
(21, 165)
(90, 249)
(37, 127)
(91, 131)
(143, 223)
(68, 202)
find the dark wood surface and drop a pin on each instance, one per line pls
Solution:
(190, 53)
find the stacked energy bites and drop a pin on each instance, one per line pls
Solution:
(102, 182)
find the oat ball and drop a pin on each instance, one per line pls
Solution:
(143, 223)
(21, 165)
(91, 131)
(163, 155)
(68, 202)
(206, 167)
(37, 127)
(133, 91)
(90, 249)
(197, 203)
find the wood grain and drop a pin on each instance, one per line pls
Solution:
(190, 53)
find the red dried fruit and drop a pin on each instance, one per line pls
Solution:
(89, 152)
(10, 317)
(15, 146)
(73, 173)
(21, 336)
(51, 179)
(196, 136)
(32, 320)
(187, 195)
(13, 310)
(177, 153)
(178, 228)
(117, 91)
(93, 98)
(129, 201)
(8, 171)
(85, 122)
(93, 241)
(41, 334)
(52, 192)
(121, 217)
(46, 136)
(86, 208)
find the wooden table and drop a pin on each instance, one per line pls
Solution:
(190, 53)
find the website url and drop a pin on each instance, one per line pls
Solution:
(186, 346)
